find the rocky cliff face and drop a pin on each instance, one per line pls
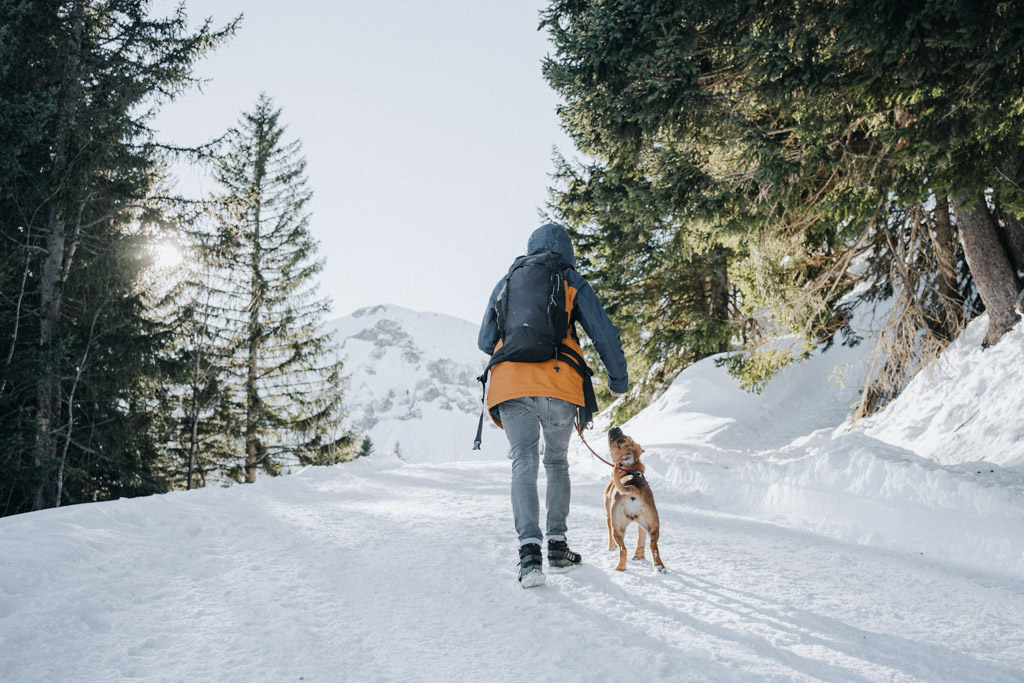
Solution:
(412, 383)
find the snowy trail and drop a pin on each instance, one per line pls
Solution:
(372, 571)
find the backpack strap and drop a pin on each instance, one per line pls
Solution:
(577, 363)
(483, 400)
(497, 357)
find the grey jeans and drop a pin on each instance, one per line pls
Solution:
(523, 420)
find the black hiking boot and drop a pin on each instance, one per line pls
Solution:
(530, 561)
(560, 558)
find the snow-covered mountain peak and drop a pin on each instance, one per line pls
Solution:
(412, 382)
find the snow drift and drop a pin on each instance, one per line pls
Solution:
(968, 406)
(939, 472)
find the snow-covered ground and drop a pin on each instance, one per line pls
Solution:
(914, 478)
(798, 548)
(966, 407)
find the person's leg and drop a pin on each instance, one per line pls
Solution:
(522, 427)
(557, 418)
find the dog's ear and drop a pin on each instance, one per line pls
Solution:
(639, 449)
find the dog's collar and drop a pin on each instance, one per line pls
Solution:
(636, 473)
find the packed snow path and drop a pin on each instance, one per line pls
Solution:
(377, 572)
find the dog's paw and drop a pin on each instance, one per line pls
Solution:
(660, 569)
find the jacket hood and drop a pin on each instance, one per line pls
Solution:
(552, 237)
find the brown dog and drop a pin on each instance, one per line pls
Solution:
(628, 499)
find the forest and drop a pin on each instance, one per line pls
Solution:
(754, 170)
(119, 377)
(745, 174)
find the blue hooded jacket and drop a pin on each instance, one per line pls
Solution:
(588, 309)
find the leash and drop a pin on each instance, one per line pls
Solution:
(579, 430)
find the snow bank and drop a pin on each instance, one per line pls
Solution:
(967, 406)
(937, 474)
(859, 489)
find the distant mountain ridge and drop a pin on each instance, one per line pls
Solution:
(412, 383)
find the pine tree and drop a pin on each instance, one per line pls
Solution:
(365, 448)
(286, 371)
(79, 183)
(786, 141)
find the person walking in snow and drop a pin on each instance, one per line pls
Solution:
(539, 386)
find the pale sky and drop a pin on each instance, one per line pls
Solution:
(427, 126)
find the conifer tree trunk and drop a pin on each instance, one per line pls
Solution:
(26, 270)
(256, 295)
(1011, 233)
(989, 263)
(252, 397)
(193, 436)
(1015, 240)
(48, 385)
(720, 293)
(945, 254)
(193, 440)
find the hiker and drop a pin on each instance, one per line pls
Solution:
(548, 395)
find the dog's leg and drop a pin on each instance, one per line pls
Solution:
(654, 531)
(608, 516)
(641, 541)
(620, 540)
